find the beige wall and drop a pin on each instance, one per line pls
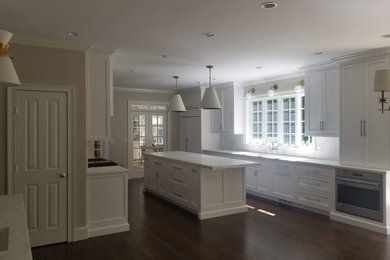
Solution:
(53, 66)
(118, 145)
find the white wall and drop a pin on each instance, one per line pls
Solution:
(118, 146)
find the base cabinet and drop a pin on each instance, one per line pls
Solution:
(298, 183)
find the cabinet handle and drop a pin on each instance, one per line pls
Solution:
(220, 126)
(177, 180)
(186, 144)
(365, 127)
(361, 127)
(320, 125)
(177, 194)
(177, 168)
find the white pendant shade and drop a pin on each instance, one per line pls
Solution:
(210, 99)
(382, 80)
(8, 74)
(177, 104)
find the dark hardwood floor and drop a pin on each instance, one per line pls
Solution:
(160, 230)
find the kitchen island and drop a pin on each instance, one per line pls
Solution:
(209, 186)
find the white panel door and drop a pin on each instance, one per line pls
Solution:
(184, 134)
(331, 102)
(251, 178)
(377, 130)
(42, 161)
(353, 102)
(314, 102)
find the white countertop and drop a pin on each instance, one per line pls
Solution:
(203, 160)
(335, 164)
(13, 215)
(106, 169)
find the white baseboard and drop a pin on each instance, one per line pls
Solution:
(94, 232)
(360, 222)
(80, 233)
(222, 212)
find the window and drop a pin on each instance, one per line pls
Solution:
(278, 120)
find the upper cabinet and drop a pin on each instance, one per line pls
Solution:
(99, 94)
(322, 102)
(229, 119)
(365, 131)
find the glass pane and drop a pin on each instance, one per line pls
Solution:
(254, 129)
(259, 106)
(269, 116)
(160, 120)
(160, 141)
(260, 127)
(303, 127)
(269, 104)
(154, 130)
(160, 131)
(254, 106)
(286, 116)
(285, 139)
(275, 105)
(293, 128)
(286, 128)
(142, 141)
(154, 120)
(303, 102)
(254, 135)
(275, 116)
(285, 103)
(142, 131)
(142, 119)
(154, 141)
(292, 103)
(269, 128)
(275, 127)
(136, 144)
(254, 117)
(293, 115)
(293, 139)
(303, 115)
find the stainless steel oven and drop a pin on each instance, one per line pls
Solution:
(360, 193)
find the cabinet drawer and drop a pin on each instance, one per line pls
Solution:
(178, 169)
(314, 184)
(283, 166)
(180, 180)
(180, 195)
(314, 171)
(319, 201)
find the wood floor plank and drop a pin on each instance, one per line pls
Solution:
(160, 230)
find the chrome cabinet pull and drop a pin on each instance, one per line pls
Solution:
(220, 126)
(361, 127)
(365, 127)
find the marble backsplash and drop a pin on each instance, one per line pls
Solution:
(325, 148)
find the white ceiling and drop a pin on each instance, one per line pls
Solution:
(246, 36)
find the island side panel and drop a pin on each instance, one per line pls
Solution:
(222, 192)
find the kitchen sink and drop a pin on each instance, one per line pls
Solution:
(4, 234)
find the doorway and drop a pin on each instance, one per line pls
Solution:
(39, 130)
(147, 132)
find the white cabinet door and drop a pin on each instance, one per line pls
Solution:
(216, 116)
(194, 135)
(251, 178)
(228, 110)
(184, 134)
(331, 107)
(284, 185)
(353, 101)
(377, 130)
(314, 99)
(265, 181)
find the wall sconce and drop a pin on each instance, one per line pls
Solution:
(8, 74)
(299, 87)
(271, 92)
(249, 93)
(382, 84)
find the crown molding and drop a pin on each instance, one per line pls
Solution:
(47, 42)
(145, 90)
(297, 74)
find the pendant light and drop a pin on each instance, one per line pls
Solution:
(177, 104)
(8, 74)
(210, 99)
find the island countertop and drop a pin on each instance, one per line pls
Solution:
(13, 217)
(202, 160)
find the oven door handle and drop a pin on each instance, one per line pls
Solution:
(343, 180)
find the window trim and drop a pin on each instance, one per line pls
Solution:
(264, 99)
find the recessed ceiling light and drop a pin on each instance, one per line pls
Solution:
(163, 56)
(268, 5)
(317, 53)
(258, 68)
(72, 34)
(386, 35)
(208, 34)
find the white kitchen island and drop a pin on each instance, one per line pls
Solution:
(209, 186)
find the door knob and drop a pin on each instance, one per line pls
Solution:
(63, 174)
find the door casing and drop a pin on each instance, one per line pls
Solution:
(11, 133)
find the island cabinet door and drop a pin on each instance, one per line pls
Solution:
(251, 178)
(195, 194)
(284, 185)
(264, 180)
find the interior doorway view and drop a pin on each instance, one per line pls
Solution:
(147, 132)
